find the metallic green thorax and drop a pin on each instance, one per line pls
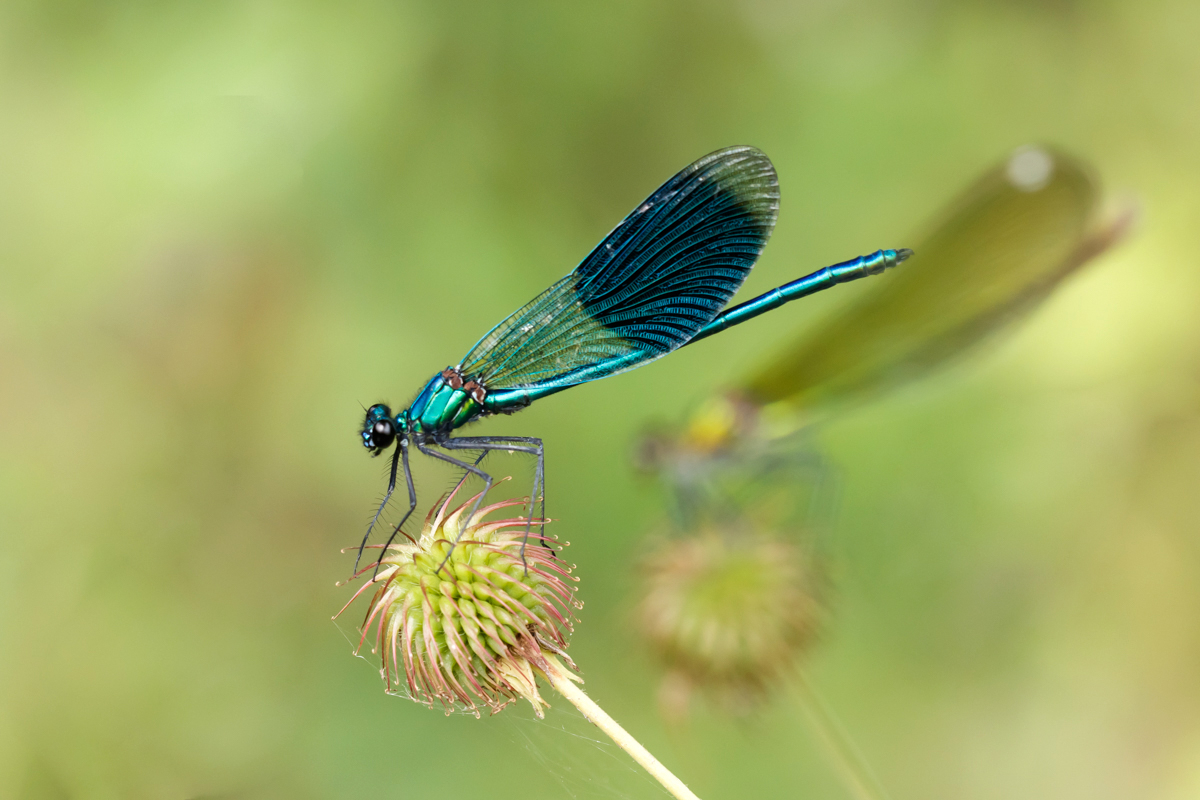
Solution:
(447, 402)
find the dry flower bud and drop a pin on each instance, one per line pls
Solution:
(467, 612)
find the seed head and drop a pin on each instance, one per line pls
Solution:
(728, 614)
(469, 630)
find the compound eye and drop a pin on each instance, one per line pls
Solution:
(382, 433)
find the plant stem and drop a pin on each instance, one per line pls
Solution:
(564, 682)
(849, 762)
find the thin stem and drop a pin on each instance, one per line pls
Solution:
(847, 759)
(564, 682)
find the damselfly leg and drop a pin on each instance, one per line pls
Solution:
(527, 444)
(412, 497)
(412, 505)
(474, 470)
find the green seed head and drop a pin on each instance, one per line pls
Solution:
(727, 614)
(467, 630)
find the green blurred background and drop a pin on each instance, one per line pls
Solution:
(225, 225)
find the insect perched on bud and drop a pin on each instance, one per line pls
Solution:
(465, 614)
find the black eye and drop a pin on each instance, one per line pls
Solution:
(382, 433)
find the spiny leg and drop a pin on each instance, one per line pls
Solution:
(489, 443)
(412, 505)
(472, 468)
(388, 496)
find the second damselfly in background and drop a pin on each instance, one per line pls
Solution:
(994, 255)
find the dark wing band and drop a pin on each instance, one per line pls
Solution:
(655, 280)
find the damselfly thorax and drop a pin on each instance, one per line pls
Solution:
(447, 402)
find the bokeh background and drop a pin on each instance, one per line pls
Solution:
(223, 226)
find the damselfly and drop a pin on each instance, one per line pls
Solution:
(660, 280)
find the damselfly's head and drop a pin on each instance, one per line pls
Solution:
(379, 429)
